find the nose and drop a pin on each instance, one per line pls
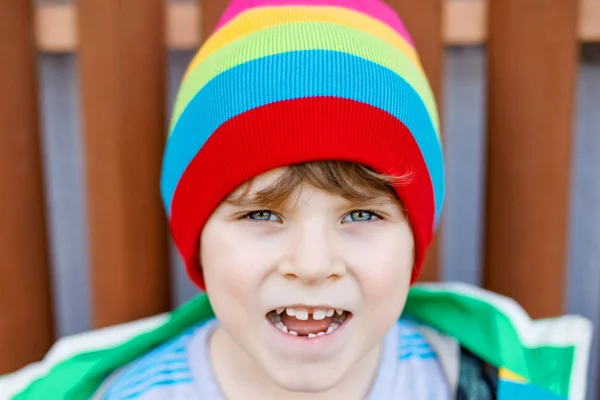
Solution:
(312, 258)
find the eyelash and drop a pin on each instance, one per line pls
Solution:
(247, 215)
(376, 215)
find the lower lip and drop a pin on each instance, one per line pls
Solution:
(305, 341)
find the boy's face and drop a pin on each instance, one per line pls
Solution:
(320, 252)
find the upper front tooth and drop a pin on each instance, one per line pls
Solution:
(330, 312)
(289, 311)
(319, 315)
(301, 314)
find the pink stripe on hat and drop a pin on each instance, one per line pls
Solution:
(374, 8)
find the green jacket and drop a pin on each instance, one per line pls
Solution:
(486, 343)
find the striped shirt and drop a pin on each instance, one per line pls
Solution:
(408, 369)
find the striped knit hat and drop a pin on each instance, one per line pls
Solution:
(288, 81)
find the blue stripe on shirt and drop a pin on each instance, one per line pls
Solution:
(424, 356)
(412, 343)
(169, 352)
(153, 385)
(160, 364)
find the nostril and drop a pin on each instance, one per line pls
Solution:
(312, 265)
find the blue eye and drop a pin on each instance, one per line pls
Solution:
(360, 216)
(263, 215)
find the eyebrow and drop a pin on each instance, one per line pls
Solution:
(250, 201)
(381, 200)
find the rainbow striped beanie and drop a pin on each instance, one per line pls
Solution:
(281, 82)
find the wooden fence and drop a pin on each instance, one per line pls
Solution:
(532, 59)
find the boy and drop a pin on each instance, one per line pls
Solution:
(307, 266)
(303, 180)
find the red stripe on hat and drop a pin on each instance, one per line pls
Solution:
(291, 132)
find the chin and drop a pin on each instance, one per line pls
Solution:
(305, 377)
(300, 364)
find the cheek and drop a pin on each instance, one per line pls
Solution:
(233, 264)
(223, 267)
(383, 265)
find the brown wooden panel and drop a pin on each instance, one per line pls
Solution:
(463, 21)
(210, 13)
(532, 64)
(122, 67)
(183, 26)
(26, 327)
(423, 19)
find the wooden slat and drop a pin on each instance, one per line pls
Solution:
(589, 21)
(56, 28)
(209, 13)
(532, 59)
(183, 26)
(423, 19)
(464, 22)
(26, 327)
(122, 68)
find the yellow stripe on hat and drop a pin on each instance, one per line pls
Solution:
(257, 19)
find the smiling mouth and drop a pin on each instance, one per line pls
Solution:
(307, 322)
